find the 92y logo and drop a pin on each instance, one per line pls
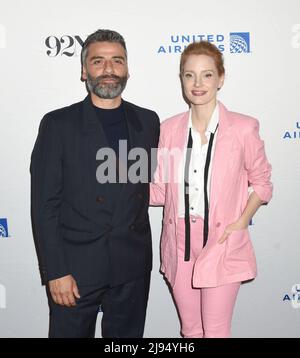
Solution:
(65, 45)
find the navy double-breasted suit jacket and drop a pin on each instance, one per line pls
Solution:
(99, 233)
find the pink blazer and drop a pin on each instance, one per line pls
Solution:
(239, 159)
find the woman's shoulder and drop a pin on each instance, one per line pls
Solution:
(175, 120)
(242, 121)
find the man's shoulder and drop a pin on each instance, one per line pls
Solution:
(140, 109)
(65, 112)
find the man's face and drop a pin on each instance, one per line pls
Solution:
(105, 69)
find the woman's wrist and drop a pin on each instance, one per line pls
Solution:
(243, 222)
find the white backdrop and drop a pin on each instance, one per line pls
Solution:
(263, 81)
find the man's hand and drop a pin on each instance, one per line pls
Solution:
(64, 290)
(239, 225)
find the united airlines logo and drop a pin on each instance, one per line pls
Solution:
(294, 296)
(234, 42)
(239, 42)
(3, 228)
(294, 133)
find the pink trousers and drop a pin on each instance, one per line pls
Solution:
(204, 312)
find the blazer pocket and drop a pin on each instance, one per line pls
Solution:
(239, 253)
(238, 245)
(77, 237)
(72, 220)
(238, 238)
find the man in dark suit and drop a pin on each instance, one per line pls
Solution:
(92, 230)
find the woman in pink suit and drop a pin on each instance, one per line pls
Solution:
(212, 176)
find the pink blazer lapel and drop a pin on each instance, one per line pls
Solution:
(178, 141)
(221, 154)
(219, 162)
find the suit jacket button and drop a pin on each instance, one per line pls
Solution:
(140, 195)
(170, 221)
(99, 199)
(218, 224)
(131, 227)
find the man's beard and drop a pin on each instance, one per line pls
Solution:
(106, 90)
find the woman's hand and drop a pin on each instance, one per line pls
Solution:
(238, 225)
(253, 204)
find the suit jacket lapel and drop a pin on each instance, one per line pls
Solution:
(219, 162)
(134, 126)
(221, 156)
(178, 140)
(92, 127)
(94, 139)
(135, 140)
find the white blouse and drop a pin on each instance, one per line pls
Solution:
(196, 169)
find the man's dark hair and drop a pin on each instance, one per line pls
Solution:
(101, 36)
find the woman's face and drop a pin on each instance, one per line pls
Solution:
(201, 80)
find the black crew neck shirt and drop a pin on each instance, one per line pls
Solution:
(114, 125)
